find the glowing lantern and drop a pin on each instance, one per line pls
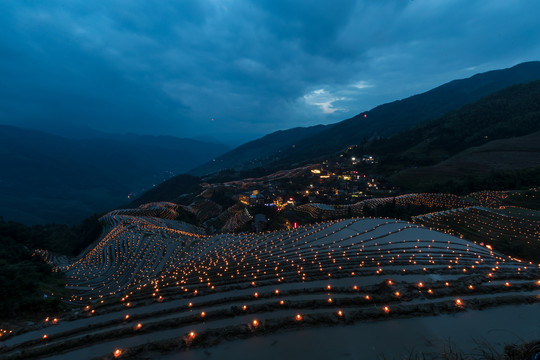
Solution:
(117, 353)
(282, 302)
(340, 313)
(386, 309)
(298, 317)
(44, 336)
(255, 323)
(139, 325)
(459, 302)
(192, 335)
(203, 314)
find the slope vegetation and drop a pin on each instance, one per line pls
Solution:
(499, 155)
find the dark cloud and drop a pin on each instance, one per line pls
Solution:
(252, 66)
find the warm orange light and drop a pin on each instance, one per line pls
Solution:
(244, 307)
(329, 300)
(397, 293)
(430, 291)
(256, 294)
(282, 302)
(192, 335)
(471, 287)
(203, 314)
(390, 282)
(386, 309)
(255, 323)
(298, 317)
(506, 284)
(44, 336)
(139, 325)
(420, 284)
(355, 287)
(117, 353)
(459, 302)
(277, 291)
(446, 284)
(340, 313)
(190, 304)
(367, 297)
(126, 317)
(328, 287)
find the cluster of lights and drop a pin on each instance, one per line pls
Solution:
(249, 261)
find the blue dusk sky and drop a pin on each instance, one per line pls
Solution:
(235, 69)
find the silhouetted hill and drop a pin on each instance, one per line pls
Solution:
(382, 121)
(169, 190)
(48, 178)
(258, 152)
(463, 140)
(390, 118)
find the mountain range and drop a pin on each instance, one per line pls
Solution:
(301, 144)
(47, 178)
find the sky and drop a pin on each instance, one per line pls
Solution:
(237, 69)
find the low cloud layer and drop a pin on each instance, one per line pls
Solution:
(242, 68)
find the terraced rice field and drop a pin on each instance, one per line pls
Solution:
(447, 201)
(149, 287)
(515, 235)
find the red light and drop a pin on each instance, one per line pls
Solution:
(295, 225)
(365, 115)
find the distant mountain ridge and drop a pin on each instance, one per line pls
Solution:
(259, 152)
(49, 178)
(384, 120)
